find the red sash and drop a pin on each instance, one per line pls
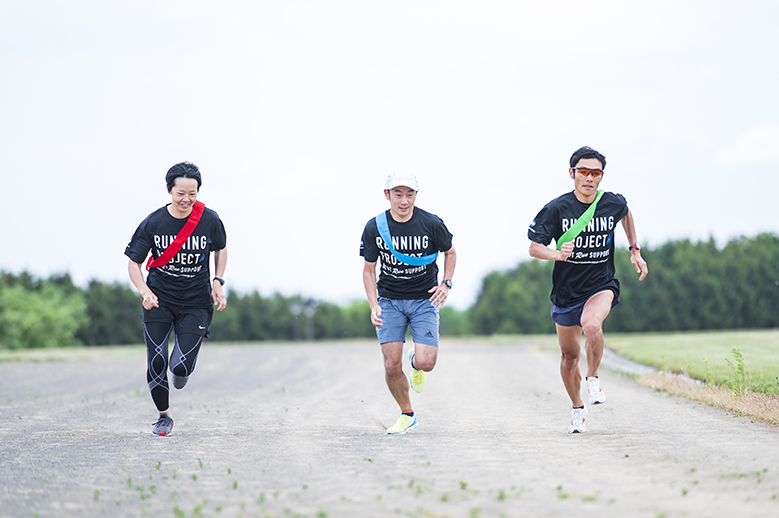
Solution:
(175, 246)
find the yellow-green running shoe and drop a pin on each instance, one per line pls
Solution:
(403, 424)
(417, 378)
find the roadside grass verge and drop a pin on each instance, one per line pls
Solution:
(72, 354)
(734, 370)
(756, 405)
(708, 356)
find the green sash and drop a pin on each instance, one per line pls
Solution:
(582, 222)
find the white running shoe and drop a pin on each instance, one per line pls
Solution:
(403, 425)
(596, 394)
(578, 417)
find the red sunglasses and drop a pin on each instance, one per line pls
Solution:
(595, 173)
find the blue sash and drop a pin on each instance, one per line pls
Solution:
(384, 232)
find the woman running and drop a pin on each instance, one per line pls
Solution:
(179, 294)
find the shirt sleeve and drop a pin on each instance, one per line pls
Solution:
(443, 238)
(140, 244)
(219, 235)
(541, 229)
(368, 248)
(624, 203)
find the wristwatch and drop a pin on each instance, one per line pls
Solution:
(448, 283)
(635, 246)
(221, 281)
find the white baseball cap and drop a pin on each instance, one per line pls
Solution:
(404, 178)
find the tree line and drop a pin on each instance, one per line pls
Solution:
(691, 286)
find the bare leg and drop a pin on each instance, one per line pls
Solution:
(569, 339)
(425, 357)
(393, 373)
(594, 313)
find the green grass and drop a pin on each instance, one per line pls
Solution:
(70, 354)
(707, 355)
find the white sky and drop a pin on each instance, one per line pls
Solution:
(295, 111)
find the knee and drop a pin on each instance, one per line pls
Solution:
(393, 366)
(592, 329)
(569, 361)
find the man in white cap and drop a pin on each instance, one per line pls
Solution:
(407, 239)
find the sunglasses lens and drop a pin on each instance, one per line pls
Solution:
(595, 173)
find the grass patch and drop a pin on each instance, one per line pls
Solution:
(734, 370)
(708, 356)
(759, 405)
(73, 354)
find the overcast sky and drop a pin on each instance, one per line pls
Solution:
(296, 111)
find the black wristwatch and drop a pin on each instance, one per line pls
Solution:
(221, 281)
(448, 283)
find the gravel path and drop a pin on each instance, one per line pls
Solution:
(296, 430)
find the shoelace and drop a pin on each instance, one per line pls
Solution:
(406, 420)
(163, 421)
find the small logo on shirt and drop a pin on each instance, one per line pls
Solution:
(201, 327)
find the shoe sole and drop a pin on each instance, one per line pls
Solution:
(404, 431)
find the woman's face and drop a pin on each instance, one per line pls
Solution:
(183, 195)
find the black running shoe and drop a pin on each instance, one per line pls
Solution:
(179, 381)
(164, 426)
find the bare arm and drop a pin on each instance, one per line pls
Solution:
(635, 255)
(217, 291)
(136, 276)
(540, 251)
(441, 292)
(369, 280)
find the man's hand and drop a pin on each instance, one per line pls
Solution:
(440, 293)
(150, 300)
(376, 316)
(638, 263)
(218, 296)
(566, 250)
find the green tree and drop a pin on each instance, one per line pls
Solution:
(515, 301)
(114, 315)
(45, 317)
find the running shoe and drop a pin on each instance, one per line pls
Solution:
(179, 381)
(417, 378)
(596, 394)
(578, 416)
(403, 425)
(164, 426)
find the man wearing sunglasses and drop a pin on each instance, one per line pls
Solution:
(584, 288)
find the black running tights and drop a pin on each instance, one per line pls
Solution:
(182, 359)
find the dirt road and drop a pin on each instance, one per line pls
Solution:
(283, 431)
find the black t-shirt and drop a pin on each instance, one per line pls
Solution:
(186, 279)
(423, 234)
(590, 268)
